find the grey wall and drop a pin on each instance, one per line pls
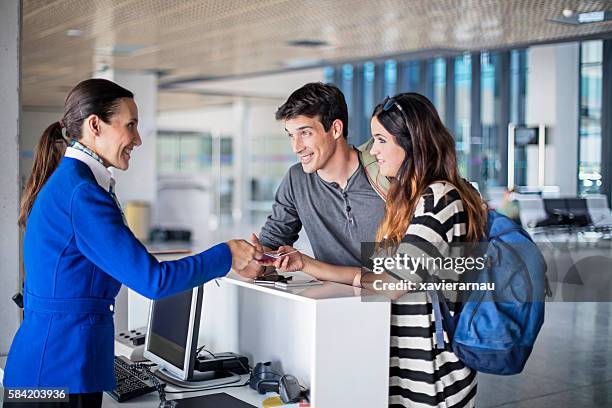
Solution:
(9, 169)
(566, 146)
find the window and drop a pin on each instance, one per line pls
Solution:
(390, 84)
(185, 152)
(369, 73)
(589, 138)
(411, 78)
(518, 85)
(347, 86)
(328, 74)
(490, 109)
(518, 101)
(438, 96)
(463, 110)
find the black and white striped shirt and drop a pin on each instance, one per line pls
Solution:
(420, 375)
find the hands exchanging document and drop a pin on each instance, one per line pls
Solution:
(250, 259)
(285, 259)
(243, 253)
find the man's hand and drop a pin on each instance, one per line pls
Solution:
(293, 261)
(243, 253)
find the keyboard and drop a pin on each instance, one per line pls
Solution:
(131, 382)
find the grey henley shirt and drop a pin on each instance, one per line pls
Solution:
(336, 220)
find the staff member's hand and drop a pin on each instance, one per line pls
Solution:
(253, 269)
(242, 253)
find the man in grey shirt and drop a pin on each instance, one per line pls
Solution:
(335, 191)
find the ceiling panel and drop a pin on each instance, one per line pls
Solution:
(220, 38)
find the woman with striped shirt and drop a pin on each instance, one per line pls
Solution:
(428, 204)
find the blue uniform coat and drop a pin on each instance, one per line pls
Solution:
(77, 253)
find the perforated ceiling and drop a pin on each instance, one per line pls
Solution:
(188, 38)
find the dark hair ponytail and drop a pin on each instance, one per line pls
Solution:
(49, 152)
(98, 97)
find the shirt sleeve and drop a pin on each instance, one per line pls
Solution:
(105, 240)
(283, 226)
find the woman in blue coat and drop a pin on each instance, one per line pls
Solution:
(78, 250)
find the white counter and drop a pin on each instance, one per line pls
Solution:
(333, 341)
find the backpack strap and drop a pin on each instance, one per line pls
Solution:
(439, 333)
(379, 183)
(443, 319)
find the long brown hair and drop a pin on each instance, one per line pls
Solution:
(90, 97)
(430, 157)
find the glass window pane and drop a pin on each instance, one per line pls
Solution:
(189, 147)
(328, 74)
(347, 87)
(390, 84)
(206, 151)
(489, 160)
(167, 153)
(438, 67)
(368, 89)
(589, 166)
(411, 82)
(463, 109)
(519, 71)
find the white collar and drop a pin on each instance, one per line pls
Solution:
(103, 176)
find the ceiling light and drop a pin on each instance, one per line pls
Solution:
(569, 17)
(307, 43)
(593, 17)
(74, 32)
(302, 62)
(120, 50)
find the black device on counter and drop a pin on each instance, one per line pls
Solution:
(133, 337)
(271, 279)
(131, 382)
(219, 400)
(231, 362)
(264, 379)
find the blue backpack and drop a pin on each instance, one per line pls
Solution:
(497, 337)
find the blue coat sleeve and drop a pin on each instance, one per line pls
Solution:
(105, 240)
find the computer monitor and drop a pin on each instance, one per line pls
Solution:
(172, 333)
(566, 211)
(172, 339)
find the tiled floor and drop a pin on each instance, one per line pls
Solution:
(571, 365)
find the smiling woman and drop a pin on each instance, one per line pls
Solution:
(428, 202)
(115, 141)
(78, 251)
(90, 109)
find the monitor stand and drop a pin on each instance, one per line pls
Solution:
(200, 379)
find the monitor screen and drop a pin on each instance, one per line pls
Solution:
(555, 206)
(172, 332)
(567, 211)
(526, 136)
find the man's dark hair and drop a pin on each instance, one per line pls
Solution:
(316, 99)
